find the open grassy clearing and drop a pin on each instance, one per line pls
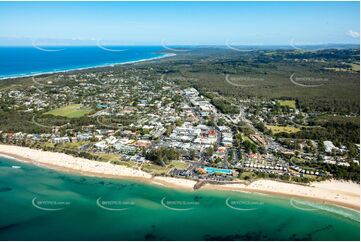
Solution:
(74, 145)
(155, 169)
(116, 159)
(108, 156)
(70, 111)
(287, 103)
(275, 129)
(179, 165)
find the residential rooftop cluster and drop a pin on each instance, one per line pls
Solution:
(127, 117)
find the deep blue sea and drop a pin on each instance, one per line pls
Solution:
(25, 61)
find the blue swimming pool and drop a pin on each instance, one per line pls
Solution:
(212, 170)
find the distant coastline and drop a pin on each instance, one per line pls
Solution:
(344, 194)
(65, 70)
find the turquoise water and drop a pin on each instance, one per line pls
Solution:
(42, 204)
(212, 170)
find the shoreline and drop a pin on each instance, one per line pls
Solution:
(290, 195)
(87, 68)
(344, 194)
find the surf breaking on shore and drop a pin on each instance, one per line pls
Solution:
(346, 194)
(33, 74)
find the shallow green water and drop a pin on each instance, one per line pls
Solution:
(42, 204)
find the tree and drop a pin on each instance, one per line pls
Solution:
(163, 155)
(209, 152)
(179, 122)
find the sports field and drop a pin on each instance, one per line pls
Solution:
(70, 111)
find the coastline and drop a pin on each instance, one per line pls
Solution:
(87, 68)
(344, 194)
(326, 192)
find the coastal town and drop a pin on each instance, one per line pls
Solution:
(180, 120)
(144, 120)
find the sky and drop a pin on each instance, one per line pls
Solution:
(179, 23)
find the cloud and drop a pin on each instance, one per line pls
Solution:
(353, 34)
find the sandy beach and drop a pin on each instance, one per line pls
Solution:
(346, 194)
(66, 162)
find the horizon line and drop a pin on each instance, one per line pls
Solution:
(179, 45)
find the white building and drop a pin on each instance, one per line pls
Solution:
(329, 146)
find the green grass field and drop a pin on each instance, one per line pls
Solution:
(280, 129)
(155, 169)
(287, 103)
(179, 165)
(70, 111)
(355, 67)
(73, 145)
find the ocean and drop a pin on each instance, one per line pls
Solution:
(43, 204)
(25, 61)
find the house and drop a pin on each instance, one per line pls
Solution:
(143, 143)
(60, 140)
(126, 149)
(84, 136)
(101, 145)
(329, 146)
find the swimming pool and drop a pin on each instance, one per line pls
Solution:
(212, 170)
